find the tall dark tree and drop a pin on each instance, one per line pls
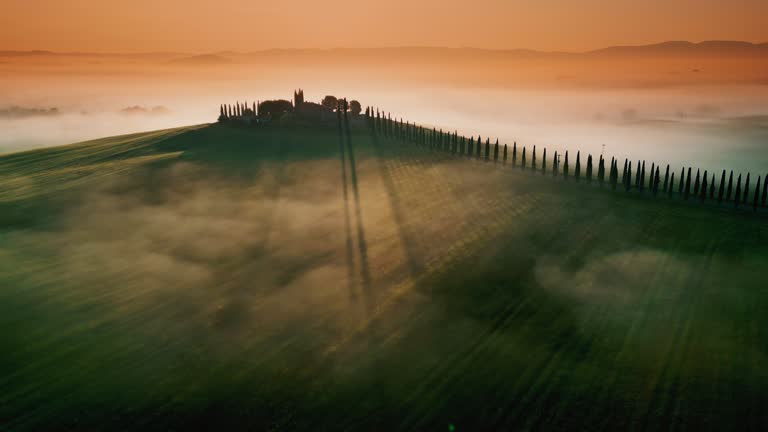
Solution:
(629, 177)
(624, 174)
(487, 148)
(729, 190)
(565, 166)
(479, 146)
(637, 175)
(533, 159)
(696, 184)
(544, 162)
(722, 189)
(470, 143)
(687, 191)
(737, 197)
(704, 186)
(656, 181)
(514, 153)
(671, 182)
(666, 179)
(577, 171)
(757, 195)
(522, 159)
(682, 182)
(554, 165)
(641, 183)
(505, 153)
(496, 150)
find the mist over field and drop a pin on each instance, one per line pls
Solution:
(691, 111)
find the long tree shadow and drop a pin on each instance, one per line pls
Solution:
(365, 272)
(347, 225)
(415, 266)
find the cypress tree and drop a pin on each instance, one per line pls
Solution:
(737, 198)
(730, 187)
(533, 159)
(478, 147)
(637, 176)
(712, 188)
(470, 142)
(578, 166)
(671, 182)
(565, 166)
(641, 183)
(696, 184)
(554, 165)
(514, 153)
(487, 148)
(544, 162)
(600, 170)
(688, 185)
(629, 177)
(682, 182)
(624, 174)
(505, 153)
(656, 182)
(613, 178)
(722, 188)
(765, 190)
(666, 179)
(652, 179)
(496, 150)
(704, 187)
(757, 193)
(746, 190)
(522, 160)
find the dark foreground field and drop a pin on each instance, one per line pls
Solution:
(222, 278)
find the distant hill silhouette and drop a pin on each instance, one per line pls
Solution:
(663, 49)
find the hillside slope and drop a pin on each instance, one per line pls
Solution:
(306, 279)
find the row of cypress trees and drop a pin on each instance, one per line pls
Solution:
(704, 188)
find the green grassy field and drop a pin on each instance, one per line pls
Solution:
(224, 278)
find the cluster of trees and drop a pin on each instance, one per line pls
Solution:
(275, 109)
(702, 187)
(332, 103)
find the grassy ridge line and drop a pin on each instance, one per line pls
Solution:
(27, 174)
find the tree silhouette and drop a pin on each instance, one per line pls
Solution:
(682, 182)
(696, 184)
(505, 153)
(577, 171)
(671, 182)
(688, 185)
(522, 160)
(487, 148)
(757, 193)
(737, 198)
(544, 162)
(704, 187)
(533, 159)
(355, 108)
(514, 153)
(496, 150)
(656, 181)
(641, 182)
(637, 176)
(722, 188)
(478, 146)
(629, 177)
(330, 102)
(554, 165)
(624, 174)
(666, 179)
(730, 187)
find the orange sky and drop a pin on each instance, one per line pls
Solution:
(245, 25)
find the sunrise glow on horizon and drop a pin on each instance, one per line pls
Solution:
(247, 25)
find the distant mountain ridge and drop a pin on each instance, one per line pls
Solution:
(662, 49)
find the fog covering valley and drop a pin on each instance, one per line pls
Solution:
(701, 108)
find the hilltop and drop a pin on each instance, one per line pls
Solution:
(300, 278)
